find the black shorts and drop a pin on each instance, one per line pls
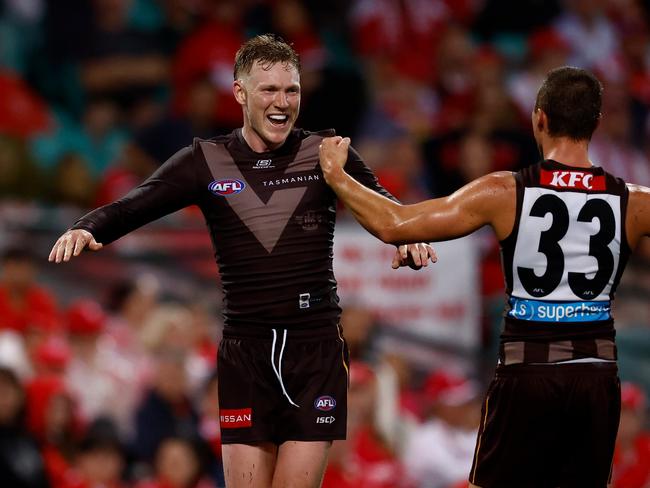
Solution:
(277, 385)
(548, 426)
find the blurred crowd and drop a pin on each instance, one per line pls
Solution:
(119, 390)
(122, 392)
(96, 94)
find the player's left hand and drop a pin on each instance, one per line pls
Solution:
(415, 256)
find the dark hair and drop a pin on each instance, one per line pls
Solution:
(268, 49)
(9, 376)
(17, 253)
(571, 98)
(101, 435)
(198, 447)
(118, 294)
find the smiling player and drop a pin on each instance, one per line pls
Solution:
(282, 362)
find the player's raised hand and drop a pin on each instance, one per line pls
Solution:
(415, 256)
(333, 154)
(71, 244)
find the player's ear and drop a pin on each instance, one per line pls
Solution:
(239, 91)
(541, 120)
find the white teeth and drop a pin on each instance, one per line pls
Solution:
(278, 118)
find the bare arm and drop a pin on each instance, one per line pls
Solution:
(486, 201)
(414, 255)
(637, 223)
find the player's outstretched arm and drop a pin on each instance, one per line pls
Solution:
(71, 244)
(477, 204)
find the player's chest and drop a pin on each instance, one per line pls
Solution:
(258, 183)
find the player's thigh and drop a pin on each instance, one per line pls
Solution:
(249, 465)
(301, 464)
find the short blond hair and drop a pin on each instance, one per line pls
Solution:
(267, 49)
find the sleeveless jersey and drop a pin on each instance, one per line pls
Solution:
(562, 264)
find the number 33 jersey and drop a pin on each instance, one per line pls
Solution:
(562, 262)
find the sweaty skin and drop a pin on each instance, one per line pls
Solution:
(489, 200)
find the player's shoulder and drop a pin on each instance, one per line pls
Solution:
(633, 188)
(638, 194)
(489, 193)
(320, 134)
(222, 139)
(501, 181)
(308, 141)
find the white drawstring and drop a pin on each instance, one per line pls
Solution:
(278, 371)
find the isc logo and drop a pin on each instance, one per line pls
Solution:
(324, 403)
(226, 187)
(325, 420)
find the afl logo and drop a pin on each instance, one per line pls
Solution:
(324, 403)
(226, 187)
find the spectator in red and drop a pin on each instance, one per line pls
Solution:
(177, 465)
(99, 461)
(39, 332)
(128, 305)
(51, 358)
(401, 35)
(22, 300)
(632, 455)
(364, 459)
(51, 419)
(93, 376)
(22, 112)
(440, 451)
(209, 52)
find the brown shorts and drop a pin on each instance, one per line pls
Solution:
(548, 426)
(277, 385)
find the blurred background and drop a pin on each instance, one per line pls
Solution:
(107, 364)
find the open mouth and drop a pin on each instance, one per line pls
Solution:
(278, 120)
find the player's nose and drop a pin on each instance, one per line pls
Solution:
(281, 100)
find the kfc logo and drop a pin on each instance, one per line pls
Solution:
(581, 180)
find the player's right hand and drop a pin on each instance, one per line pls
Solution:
(333, 152)
(71, 244)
